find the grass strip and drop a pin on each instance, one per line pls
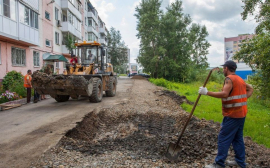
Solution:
(257, 124)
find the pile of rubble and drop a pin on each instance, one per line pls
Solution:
(136, 133)
(138, 77)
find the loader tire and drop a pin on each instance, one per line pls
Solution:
(97, 93)
(112, 87)
(62, 98)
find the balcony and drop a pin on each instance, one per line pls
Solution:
(102, 31)
(28, 34)
(67, 27)
(102, 42)
(91, 29)
(66, 5)
(8, 27)
(12, 31)
(90, 14)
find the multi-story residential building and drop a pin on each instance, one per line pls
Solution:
(31, 30)
(231, 46)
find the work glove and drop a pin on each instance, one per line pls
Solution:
(203, 90)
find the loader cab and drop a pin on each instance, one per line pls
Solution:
(91, 54)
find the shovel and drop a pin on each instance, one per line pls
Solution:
(173, 151)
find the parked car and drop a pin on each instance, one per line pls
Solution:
(144, 75)
(133, 74)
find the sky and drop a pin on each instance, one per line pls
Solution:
(222, 19)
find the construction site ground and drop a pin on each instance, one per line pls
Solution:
(132, 129)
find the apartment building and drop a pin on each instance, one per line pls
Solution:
(32, 30)
(231, 46)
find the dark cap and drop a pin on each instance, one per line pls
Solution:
(230, 64)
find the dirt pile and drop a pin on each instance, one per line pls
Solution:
(136, 133)
(177, 98)
(138, 77)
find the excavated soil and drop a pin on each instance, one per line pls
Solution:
(136, 133)
(138, 77)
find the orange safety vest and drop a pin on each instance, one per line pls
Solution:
(26, 84)
(235, 106)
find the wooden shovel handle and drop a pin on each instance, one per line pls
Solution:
(191, 113)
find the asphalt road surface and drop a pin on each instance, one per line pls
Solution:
(28, 131)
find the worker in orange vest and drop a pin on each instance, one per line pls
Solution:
(234, 97)
(28, 84)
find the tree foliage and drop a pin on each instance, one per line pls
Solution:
(117, 50)
(263, 17)
(256, 51)
(148, 15)
(69, 41)
(170, 47)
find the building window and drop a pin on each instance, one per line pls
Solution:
(57, 65)
(36, 59)
(18, 56)
(85, 21)
(74, 21)
(92, 37)
(90, 22)
(57, 38)
(48, 43)
(9, 9)
(64, 17)
(47, 15)
(234, 42)
(28, 16)
(56, 13)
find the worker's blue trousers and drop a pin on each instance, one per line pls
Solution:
(231, 132)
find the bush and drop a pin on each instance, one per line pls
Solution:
(13, 81)
(159, 82)
(8, 96)
(18, 88)
(1, 89)
(11, 78)
(217, 77)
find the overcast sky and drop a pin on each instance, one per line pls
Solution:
(222, 19)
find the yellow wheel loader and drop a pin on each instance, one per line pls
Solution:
(89, 77)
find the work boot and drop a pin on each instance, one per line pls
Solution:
(213, 165)
(232, 163)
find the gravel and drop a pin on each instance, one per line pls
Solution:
(136, 133)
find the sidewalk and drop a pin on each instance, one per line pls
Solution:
(19, 102)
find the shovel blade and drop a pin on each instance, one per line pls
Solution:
(173, 152)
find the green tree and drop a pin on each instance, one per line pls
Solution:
(200, 45)
(69, 41)
(148, 14)
(169, 48)
(256, 51)
(262, 17)
(117, 50)
(177, 58)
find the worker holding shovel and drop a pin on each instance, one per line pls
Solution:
(234, 109)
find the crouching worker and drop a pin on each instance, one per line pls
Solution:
(234, 97)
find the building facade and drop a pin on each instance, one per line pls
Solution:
(30, 30)
(231, 46)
